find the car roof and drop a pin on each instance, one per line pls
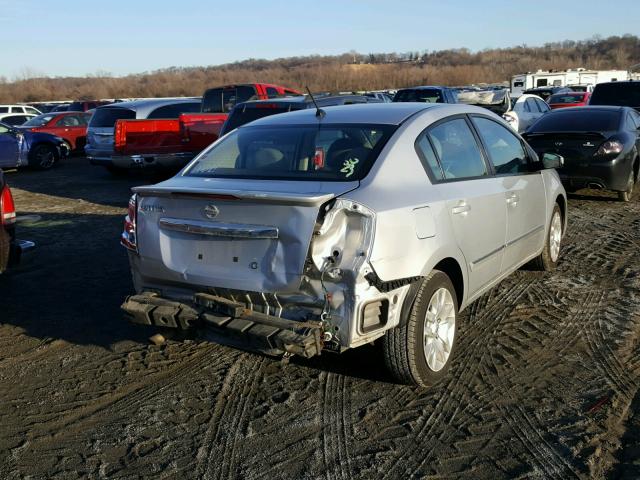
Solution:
(148, 104)
(368, 113)
(300, 99)
(426, 87)
(592, 108)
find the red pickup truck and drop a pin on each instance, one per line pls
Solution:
(172, 143)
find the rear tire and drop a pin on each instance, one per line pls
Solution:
(419, 351)
(628, 193)
(43, 157)
(548, 259)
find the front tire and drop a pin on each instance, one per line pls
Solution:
(548, 259)
(43, 157)
(419, 351)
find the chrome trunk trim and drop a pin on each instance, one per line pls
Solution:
(214, 229)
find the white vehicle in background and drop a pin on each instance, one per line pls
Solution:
(525, 110)
(554, 78)
(19, 109)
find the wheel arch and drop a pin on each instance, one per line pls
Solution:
(452, 269)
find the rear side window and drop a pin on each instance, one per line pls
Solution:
(428, 157)
(4, 109)
(107, 116)
(531, 106)
(272, 92)
(580, 120)
(174, 110)
(542, 106)
(70, 121)
(222, 100)
(505, 149)
(457, 149)
(620, 94)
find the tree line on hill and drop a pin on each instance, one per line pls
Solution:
(347, 72)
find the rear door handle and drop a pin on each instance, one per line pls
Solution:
(461, 209)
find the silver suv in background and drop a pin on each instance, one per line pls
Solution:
(100, 132)
(326, 230)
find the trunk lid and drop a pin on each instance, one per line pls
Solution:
(250, 235)
(577, 148)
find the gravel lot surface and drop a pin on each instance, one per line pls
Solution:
(545, 384)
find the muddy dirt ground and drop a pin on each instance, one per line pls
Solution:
(545, 384)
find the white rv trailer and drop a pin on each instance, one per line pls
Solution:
(564, 78)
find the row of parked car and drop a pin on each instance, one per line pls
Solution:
(308, 224)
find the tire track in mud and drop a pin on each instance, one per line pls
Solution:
(216, 457)
(490, 307)
(126, 398)
(336, 425)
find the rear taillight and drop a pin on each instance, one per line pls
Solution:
(610, 147)
(7, 207)
(128, 238)
(118, 137)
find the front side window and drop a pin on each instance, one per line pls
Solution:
(4, 109)
(505, 150)
(33, 111)
(68, 121)
(457, 149)
(291, 152)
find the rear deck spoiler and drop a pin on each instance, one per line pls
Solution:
(282, 198)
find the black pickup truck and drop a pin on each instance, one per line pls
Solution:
(10, 249)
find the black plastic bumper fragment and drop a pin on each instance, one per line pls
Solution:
(231, 319)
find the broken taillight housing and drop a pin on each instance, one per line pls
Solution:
(7, 207)
(128, 238)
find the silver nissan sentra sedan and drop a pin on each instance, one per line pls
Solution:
(326, 230)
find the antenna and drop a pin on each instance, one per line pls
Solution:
(319, 112)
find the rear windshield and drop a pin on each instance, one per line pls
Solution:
(242, 116)
(321, 153)
(39, 121)
(581, 120)
(566, 98)
(428, 95)
(621, 94)
(222, 100)
(107, 116)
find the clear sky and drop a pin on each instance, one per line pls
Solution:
(78, 37)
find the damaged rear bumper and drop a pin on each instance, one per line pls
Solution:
(228, 319)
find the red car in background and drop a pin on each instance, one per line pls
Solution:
(70, 126)
(569, 99)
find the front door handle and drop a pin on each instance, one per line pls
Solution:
(512, 199)
(461, 209)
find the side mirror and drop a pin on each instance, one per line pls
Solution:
(552, 160)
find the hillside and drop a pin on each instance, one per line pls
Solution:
(350, 71)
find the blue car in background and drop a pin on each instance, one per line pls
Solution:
(22, 148)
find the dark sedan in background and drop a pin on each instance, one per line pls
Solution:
(10, 248)
(600, 146)
(22, 148)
